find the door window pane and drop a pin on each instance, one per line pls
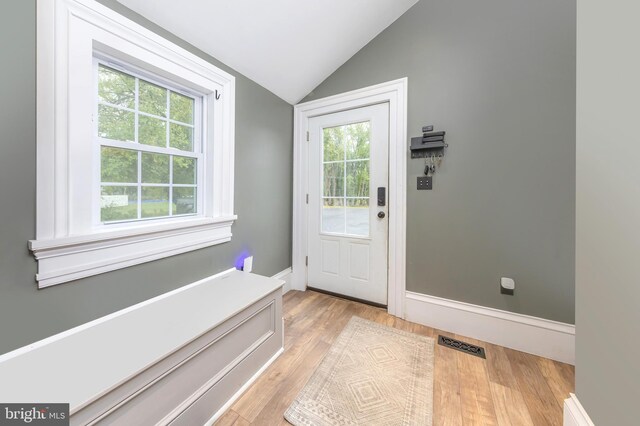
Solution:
(333, 143)
(333, 215)
(333, 180)
(357, 212)
(345, 179)
(357, 178)
(357, 141)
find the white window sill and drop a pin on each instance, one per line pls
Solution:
(70, 258)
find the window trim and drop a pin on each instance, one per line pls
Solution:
(68, 245)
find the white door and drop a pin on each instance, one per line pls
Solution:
(348, 199)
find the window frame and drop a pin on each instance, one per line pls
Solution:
(69, 244)
(199, 153)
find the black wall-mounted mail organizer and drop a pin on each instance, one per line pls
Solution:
(430, 143)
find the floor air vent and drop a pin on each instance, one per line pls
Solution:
(461, 346)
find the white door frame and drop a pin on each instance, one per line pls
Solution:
(395, 93)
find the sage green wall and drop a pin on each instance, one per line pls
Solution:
(263, 191)
(608, 211)
(499, 77)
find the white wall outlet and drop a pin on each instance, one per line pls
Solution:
(507, 285)
(247, 266)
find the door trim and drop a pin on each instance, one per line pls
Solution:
(395, 93)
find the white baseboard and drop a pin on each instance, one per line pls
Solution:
(286, 276)
(242, 390)
(538, 336)
(574, 413)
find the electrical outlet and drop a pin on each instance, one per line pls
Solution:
(425, 182)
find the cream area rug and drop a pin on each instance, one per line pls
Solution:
(372, 375)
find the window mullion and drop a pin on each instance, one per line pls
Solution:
(114, 106)
(135, 106)
(168, 135)
(131, 185)
(344, 185)
(198, 133)
(170, 185)
(168, 145)
(147, 148)
(139, 185)
(192, 126)
(145, 114)
(136, 124)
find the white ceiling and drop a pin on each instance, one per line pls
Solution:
(287, 46)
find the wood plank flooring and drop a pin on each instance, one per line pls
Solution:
(508, 388)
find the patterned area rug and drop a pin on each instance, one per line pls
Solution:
(372, 375)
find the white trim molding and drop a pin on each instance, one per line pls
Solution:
(574, 413)
(72, 258)
(70, 243)
(395, 93)
(285, 276)
(538, 336)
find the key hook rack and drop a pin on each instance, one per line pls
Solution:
(429, 144)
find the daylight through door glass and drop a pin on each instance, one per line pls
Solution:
(345, 179)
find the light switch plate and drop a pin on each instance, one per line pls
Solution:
(425, 182)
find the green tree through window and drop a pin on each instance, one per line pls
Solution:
(346, 161)
(135, 183)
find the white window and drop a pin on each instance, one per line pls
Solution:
(135, 145)
(149, 140)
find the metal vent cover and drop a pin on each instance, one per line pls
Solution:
(461, 346)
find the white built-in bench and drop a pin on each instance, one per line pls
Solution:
(178, 358)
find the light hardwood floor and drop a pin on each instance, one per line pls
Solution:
(508, 388)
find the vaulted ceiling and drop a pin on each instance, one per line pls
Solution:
(287, 46)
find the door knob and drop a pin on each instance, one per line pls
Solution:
(381, 215)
